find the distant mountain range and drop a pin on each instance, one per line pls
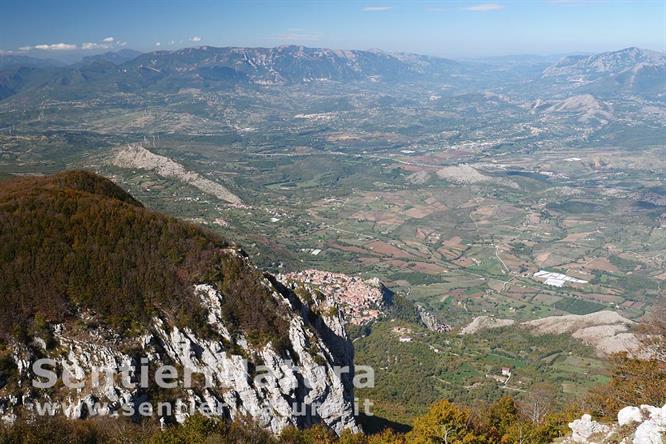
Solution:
(630, 71)
(116, 57)
(606, 63)
(292, 64)
(13, 60)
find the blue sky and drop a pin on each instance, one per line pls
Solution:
(444, 28)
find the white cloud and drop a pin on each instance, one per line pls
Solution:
(196, 38)
(483, 7)
(157, 43)
(107, 43)
(51, 47)
(377, 8)
(91, 45)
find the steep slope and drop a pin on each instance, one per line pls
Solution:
(136, 156)
(91, 279)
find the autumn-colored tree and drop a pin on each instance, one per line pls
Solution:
(349, 437)
(553, 425)
(313, 435)
(503, 413)
(387, 436)
(653, 334)
(205, 430)
(632, 382)
(76, 241)
(446, 423)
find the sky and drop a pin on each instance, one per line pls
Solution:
(457, 29)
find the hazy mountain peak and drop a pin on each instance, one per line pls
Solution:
(115, 57)
(607, 62)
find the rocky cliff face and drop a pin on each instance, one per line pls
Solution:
(107, 308)
(297, 387)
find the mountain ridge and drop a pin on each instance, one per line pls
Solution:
(628, 71)
(89, 278)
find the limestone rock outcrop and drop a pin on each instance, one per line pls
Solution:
(635, 425)
(308, 381)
